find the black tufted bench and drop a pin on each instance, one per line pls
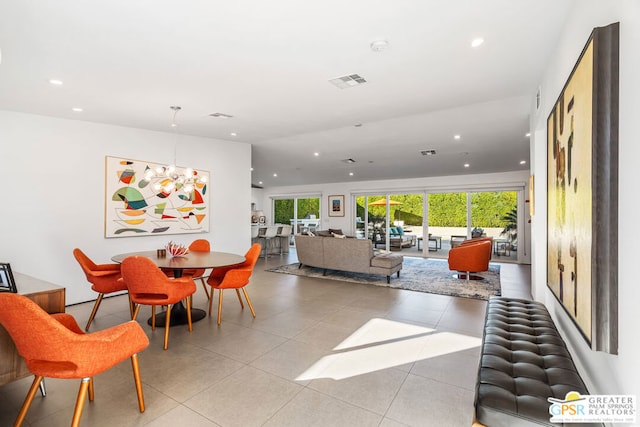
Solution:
(523, 362)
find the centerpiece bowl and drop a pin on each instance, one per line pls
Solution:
(177, 249)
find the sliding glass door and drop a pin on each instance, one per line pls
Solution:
(495, 214)
(439, 221)
(303, 213)
(396, 220)
(447, 223)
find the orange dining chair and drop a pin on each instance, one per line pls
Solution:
(104, 279)
(234, 277)
(148, 285)
(54, 346)
(199, 245)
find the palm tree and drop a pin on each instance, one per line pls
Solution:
(511, 226)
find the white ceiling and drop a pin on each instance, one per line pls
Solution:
(267, 63)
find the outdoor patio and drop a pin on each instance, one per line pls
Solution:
(440, 240)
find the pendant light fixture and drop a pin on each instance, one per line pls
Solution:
(171, 178)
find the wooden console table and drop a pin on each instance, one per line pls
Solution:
(48, 296)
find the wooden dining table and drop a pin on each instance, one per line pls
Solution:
(192, 260)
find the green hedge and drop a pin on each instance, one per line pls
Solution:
(490, 209)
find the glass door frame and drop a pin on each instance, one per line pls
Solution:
(295, 198)
(518, 188)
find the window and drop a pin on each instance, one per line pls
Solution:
(303, 213)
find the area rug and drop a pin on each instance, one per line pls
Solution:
(417, 274)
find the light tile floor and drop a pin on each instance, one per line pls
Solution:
(319, 353)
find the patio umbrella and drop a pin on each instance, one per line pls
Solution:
(383, 202)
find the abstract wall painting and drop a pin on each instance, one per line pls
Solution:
(582, 192)
(137, 205)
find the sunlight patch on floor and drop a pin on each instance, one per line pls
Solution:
(381, 344)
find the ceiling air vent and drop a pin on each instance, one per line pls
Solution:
(346, 82)
(221, 115)
(349, 161)
(428, 152)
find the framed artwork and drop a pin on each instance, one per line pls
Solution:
(138, 204)
(7, 282)
(262, 220)
(336, 205)
(582, 192)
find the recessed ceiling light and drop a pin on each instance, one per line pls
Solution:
(350, 173)
(251, 169)
(55, 82)
(233, 134)
(528, 134)
(477, 42)
(379, 45)
(77, 109)
(523, 162)
(275, 175)
(466, 165)
(456, 137)
(316, 154)
(260, 182)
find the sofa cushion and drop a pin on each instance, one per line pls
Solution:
(400, 231)
(386, 260)
(339, 236)
(336, 231)
(324, 233)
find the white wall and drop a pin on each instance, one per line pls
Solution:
(54, 191)
(604, 373)
(443, 183)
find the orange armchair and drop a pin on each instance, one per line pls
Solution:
(54, 346)
(148, 285)
(198, 245)
(104, 279)
(470, 258)
(234, 277)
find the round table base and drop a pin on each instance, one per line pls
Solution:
(179, 316)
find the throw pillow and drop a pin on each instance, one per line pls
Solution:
(339, 236)
(400, 231)
(310, 233)
(336, 231)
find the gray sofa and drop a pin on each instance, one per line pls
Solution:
(346, 254)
